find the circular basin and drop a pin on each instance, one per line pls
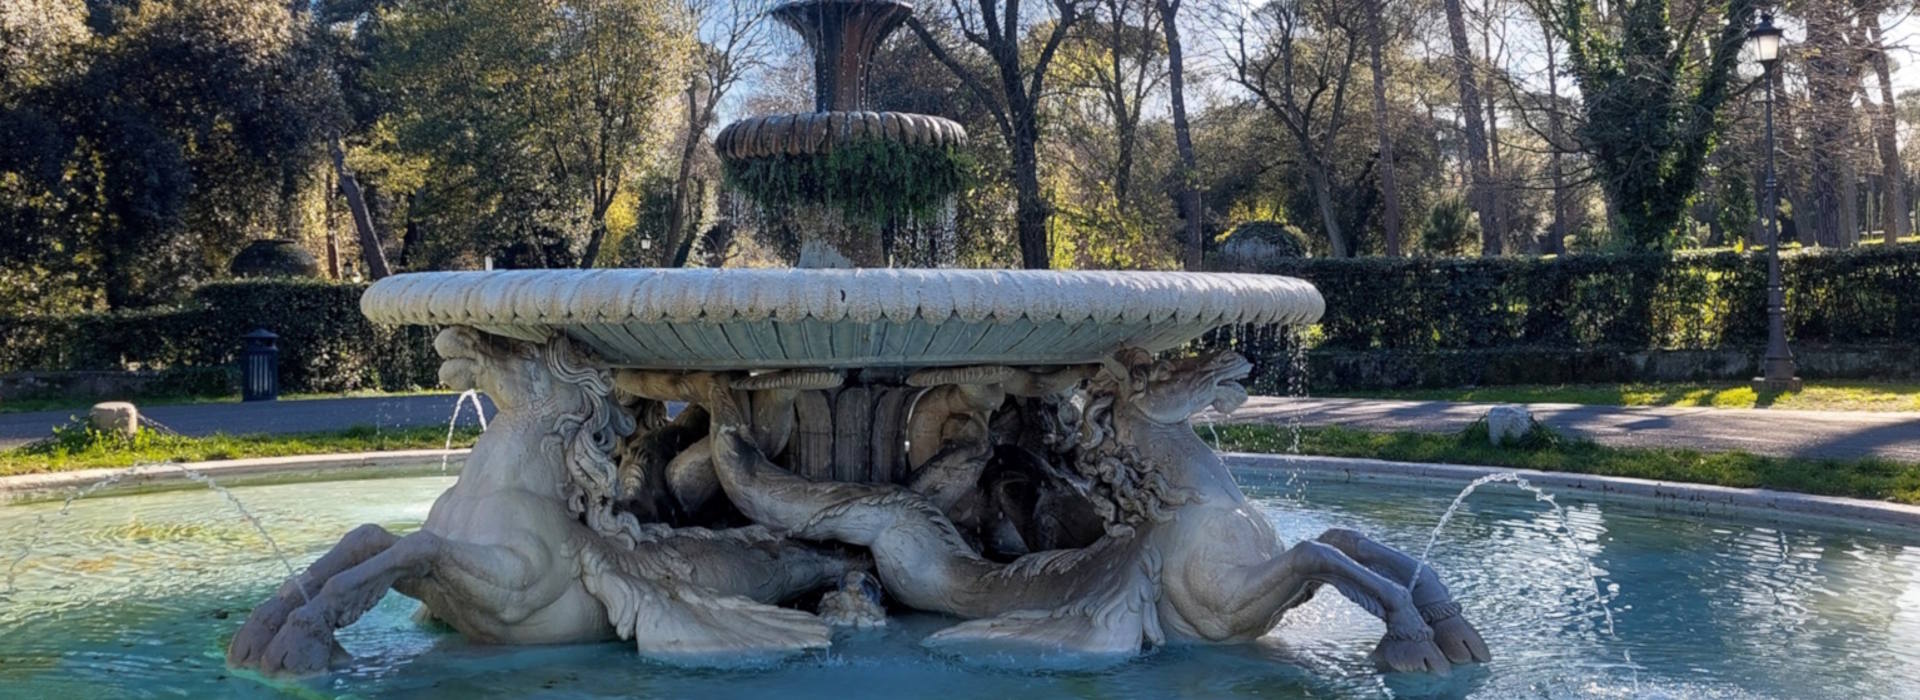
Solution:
(766, 318)
(136, 596)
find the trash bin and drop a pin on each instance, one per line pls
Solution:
(260, 367)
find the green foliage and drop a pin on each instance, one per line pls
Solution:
(1630, 301)
(77, 447)
(79, 437)
(326, 345)
(139, 156)
(1854, 478)
(529, 121)
(1736, 212)
(873, 181)
(1449, 229)
(1651, 99)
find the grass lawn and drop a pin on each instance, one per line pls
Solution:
(77, 448)
(1816, 396)
(56, 404)
(1862, 478)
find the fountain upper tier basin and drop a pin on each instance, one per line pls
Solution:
(766, 319)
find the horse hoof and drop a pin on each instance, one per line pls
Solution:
(1411, 656)
(1460, 641)
(251, 640)
(304, 645)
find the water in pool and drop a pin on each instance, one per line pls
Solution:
(135, 597)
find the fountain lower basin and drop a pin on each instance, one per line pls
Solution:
(126, 598)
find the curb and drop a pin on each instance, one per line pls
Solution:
(1669, 496)
(27, 488)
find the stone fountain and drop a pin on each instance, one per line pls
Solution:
(1002, 447)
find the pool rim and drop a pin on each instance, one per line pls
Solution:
(1663, 496)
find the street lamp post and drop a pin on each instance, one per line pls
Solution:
(1778, 370)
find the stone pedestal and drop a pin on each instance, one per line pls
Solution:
(115, 417)
(1508, 424)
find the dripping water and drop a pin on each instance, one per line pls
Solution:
(1296, 338)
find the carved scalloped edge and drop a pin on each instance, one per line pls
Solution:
(817, 133)
(561, 297)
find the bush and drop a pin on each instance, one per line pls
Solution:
(1625, 301)
(1449, 229)
(326, 345)
(1405, 322)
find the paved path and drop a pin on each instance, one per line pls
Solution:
(293, 416)
(1770, 432)
(1767, 432)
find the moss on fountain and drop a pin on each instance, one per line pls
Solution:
(872, 181)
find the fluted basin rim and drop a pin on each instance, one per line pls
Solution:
(760, 318)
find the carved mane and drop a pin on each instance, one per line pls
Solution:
(588, 425)
(1126, 490)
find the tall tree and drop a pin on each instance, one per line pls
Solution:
(1556, 232)
(1301, 73)
(1895, 224)
(543, 119)
(1389, 184)
(1124, 39)
(1833, 64)
(1479, 163)
(1651, 100)
(1191, 215)
(998, 30)
(733, 42)
(128, 166)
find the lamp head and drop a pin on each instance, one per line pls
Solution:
(1765, 38)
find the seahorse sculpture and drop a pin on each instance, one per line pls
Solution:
(528, 546)
(1185, 557)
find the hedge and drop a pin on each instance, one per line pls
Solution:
(1637, 301)
(325, 344)
(1428, 321)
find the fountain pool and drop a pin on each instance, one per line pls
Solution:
(135, 597)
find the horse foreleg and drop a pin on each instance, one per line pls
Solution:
(1266, 590)
(482, 575)
(253, 636)
(1451, 631)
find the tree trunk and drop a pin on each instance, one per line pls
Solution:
(596, 235)
(1496, 183)
(682, 179)
(1831, 79)
(1389, 187)
(1894, 190)
(371, 251)
(1323, 196)
(333, 234)
(1479, 189)
(1556, 242)
(1190, 211)
(1030, 208)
